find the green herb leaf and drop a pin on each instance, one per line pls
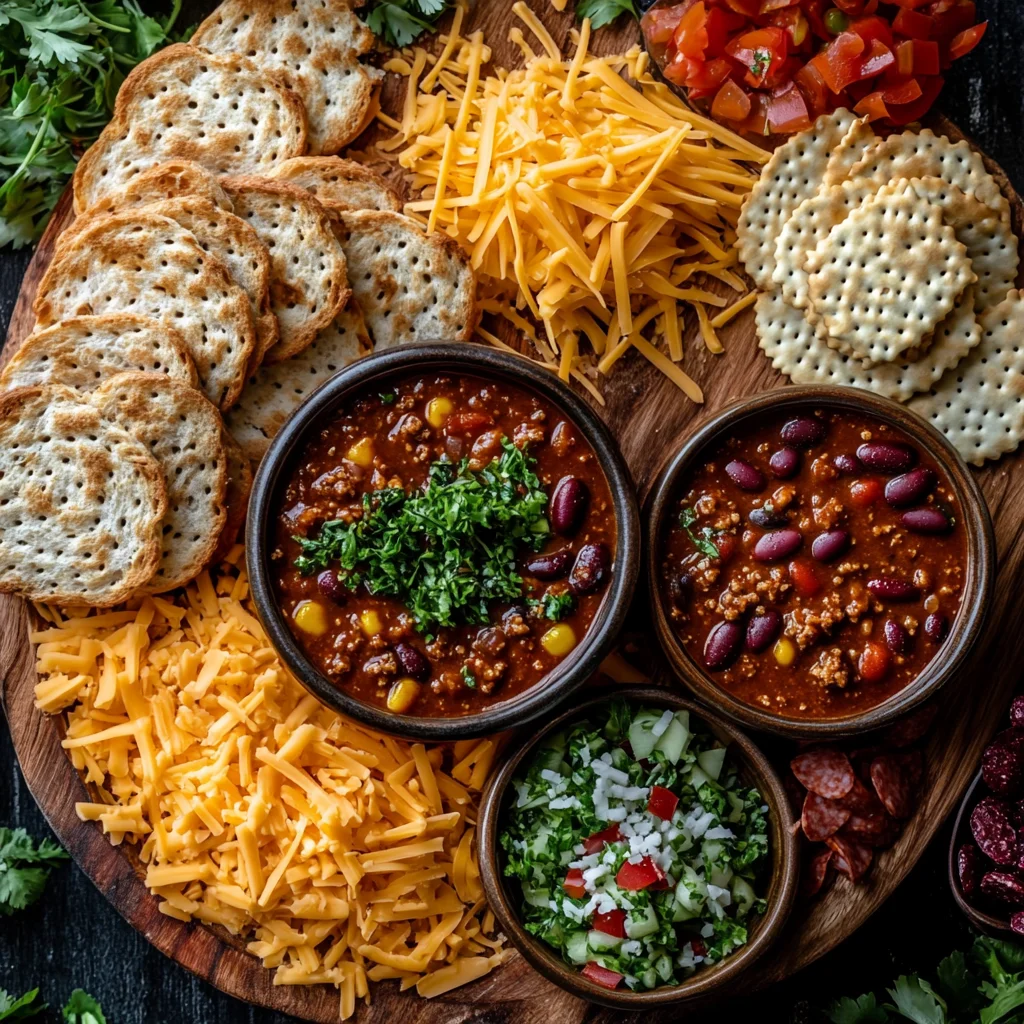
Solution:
(603, 12)
(555, 606)
(400, 22)
(762, 58)
(958, 986)
(447, 551)
(387, 397)
(864, 1010)
(24, 868)
(703, 541)
(29, 1005)
(468, 678)
(916, 1000)
(81, 1008)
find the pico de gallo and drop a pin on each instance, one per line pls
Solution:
(773, 66)
(638, 847)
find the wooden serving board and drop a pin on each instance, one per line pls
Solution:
(649, 417)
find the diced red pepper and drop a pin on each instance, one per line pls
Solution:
(720, 25)
(750, 9)
(813, 86)
(691, 37)
(947, 24)
(842, 61)
(964, 42)
(767, 6)
(902, 92)
(601, 975)
(795, 23)
(633, 877)
(597, 841)
(611, 923)
(815, 11)
(917, 57)
(805, 579)
(787, 111)
(731, 103)
(663, 802)
(931, 86)
(878, 59)
(851, 7)
(912, 24)
(910, 5)
(573, 884)
(761, 52)
(873, 27)
(871, 106)
(659, 25)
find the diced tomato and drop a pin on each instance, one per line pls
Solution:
(726, 544)
(902, 92)
(964, 42)
(948, 24)
(731, 103)
(633, 877)
(795, 22)
(601, 975)
(805, 579)
(611, 923)
(813, 86)
(678, 70)
(842, 61)
(467, 423)
(787, 111)
(873, 663)
(910, 5)
(917, 57)
(698, 947)
(750, 9)
(871, 106)
(659, 24)
(873, 27)
(931, 86)
(912, 24)
(597, 841)
(767, 6)
(721, 24)
(815, 11)
(878, 58)
(709, 76)
(851, 7)
(761, 52)
(573, 884)
(662, 802)
(691, 37)
(865, 491)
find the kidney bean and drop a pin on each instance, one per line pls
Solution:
(762, 631)
(897, 639)
(767, 518)
(726, 544)
(873, 663)
(926, 520)
(785, 463)
(1003, 886)
(591, 568)
(909, 488)
(744, 475)
(681, 589)
(1017, 712)
(722, 646)
(330, 586)
(936, 626)
(803, 431)
(568, 505)
(866, 491)
(805, 580)
(828, 546)
(552, 566)
(893, 589)
(888, 456)
(776, 545)
(846, 463)
(412, 661)
(968, 868)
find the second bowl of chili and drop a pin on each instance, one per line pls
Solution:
(443, 541)
(820, 560)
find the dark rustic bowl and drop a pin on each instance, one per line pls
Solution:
(967, 626)
(504, 897)
(981, 919)
(367, 374)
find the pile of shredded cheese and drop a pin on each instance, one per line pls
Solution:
(347, 855)
(590, 204)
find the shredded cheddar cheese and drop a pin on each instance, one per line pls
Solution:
(345, 855)
(594, 205)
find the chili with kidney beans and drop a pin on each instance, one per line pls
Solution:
(813, 566)
(443, 543)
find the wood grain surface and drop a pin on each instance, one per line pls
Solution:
(649, 416)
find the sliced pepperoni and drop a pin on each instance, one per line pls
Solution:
(993, 831)
(817, 872)
(861, 800)
(851, 858)
(911, 728)
(892, 784)
(825, 772)
(912, 762)
(875, 829)
(822, 817)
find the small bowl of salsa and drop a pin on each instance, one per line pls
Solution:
(820, 561)
(443, 541)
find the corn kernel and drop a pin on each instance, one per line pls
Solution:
(311, 618)
(402, 695)
(559, 640)
(438, 411)
(370, 621)
(784, 651)
(361, 453)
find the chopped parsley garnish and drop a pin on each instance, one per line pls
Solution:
(400, 22)
(468, 678)
(701, 541)
(446, 551)
(603, 12)
(387, 397)
(24, 868)
(555, 606)
(762, 58)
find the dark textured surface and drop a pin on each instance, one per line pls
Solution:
(73, 938)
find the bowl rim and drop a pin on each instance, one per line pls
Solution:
(982, 920)
(782, 890)
(978, 583)
(470, 359)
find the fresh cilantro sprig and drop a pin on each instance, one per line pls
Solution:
(400, 22)
(81, 1008)
(28, 1005)
(468, 678)
(555, 606)
(24, 868)
(603, 12)
(446, 551)
(701, 541)
(61, 65)
(759, 65)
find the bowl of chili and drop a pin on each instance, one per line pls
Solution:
(443, 541)
(776, 884)
(820, 561)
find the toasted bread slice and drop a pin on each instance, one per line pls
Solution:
(220, 111)
(183, 432)
(81, 501)
(411, 286)
(83, 351)
(308, 278)
(276, 390)
(315, 45)
(164, 181)
(144, 263)
(236, 498)
(340, 184)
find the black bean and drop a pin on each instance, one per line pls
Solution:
(785, 463)
(776, 545)
(893, 589)
(767, 518)
(936, 627)
(552, 566)
(888, 456)
(330, 586)
(828, 546)
(909, 488)
(926, 520)
(897, 639)
(568, 505)
(744, 475)
(803, 431)
(846, 463)
(591, 568)
(762, 631)
(412, 661)
(722, 646)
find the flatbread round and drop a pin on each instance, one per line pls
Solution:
(236, 497)
(340, 184)
(164, 181)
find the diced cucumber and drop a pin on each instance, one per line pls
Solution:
(551, 755)
(537, 897)
(742, 893)
(620, 759)
(681, 913)
(711, 761)
(641, 734)
(663, 965)
(675, 739)
(601, 942)
(735, 806)
(650, 978)
(538, 845)
(641, 922)
(691, 891)
(697, 778)
(576, 948)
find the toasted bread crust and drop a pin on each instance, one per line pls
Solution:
(340, 184)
